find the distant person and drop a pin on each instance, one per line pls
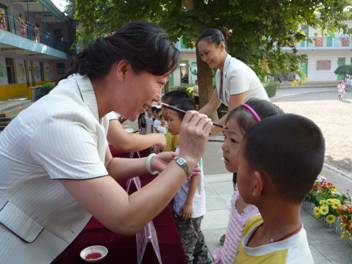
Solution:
(236, 82)
(3, 23)
(22, 26)
(340, 90)
(279, 160)
(36, 33)
(348, 83)
(238, 122)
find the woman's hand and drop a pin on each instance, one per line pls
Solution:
(194, 133)
(161, 141)
(186, 211)
(161, 160)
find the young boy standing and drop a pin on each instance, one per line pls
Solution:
(189, 201)
(280, 158)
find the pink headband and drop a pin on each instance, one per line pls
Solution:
(253, 112)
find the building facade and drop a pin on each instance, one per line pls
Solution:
(324, 52)
(34, 41)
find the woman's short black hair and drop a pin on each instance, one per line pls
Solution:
(144, 45)
(289, 150)
(245, 119)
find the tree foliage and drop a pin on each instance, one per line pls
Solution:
(260, 28)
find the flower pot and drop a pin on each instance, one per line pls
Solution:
(308, 206)
(326, 224)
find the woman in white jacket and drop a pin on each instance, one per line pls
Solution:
(56, 169)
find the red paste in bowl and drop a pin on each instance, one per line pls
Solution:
(93, 255)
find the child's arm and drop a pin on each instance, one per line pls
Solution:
(187, 207)
(239, 215)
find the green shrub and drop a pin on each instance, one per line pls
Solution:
(270, 88)
(39, 91)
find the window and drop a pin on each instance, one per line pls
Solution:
(60, 68)
(58, 34)
(323, 65)
(10, 69)
(341, 61)
(41, 71)
(184, 72)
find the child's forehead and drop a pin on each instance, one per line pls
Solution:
(172, 113)
(232, 126)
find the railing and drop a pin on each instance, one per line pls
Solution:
(18, 26)
(326, 42)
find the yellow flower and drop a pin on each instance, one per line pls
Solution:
(324, 210)
(323, 202)
(316, 212)
(330, 219)
(316, 215)
(329, 201)
(343, 235)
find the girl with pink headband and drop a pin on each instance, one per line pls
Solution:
(237, 123)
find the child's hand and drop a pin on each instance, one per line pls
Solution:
(186, 211)
(240, 204)
(196, 171)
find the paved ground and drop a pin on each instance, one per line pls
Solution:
(335, 121)
(333, 117)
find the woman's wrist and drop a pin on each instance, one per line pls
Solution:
(149, 164)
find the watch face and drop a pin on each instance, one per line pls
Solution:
(181, 161)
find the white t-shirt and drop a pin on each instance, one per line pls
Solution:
(238, 78)
(292, 250)
(112, 116)
(58, 137)
(198, 204)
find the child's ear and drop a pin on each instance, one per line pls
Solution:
(258, 187)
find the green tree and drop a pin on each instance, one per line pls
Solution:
(260, 28)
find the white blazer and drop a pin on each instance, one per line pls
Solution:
(238, 78)
(58, 137)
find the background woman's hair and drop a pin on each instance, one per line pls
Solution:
(245, 119)
(144, 45)
(214, 35)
